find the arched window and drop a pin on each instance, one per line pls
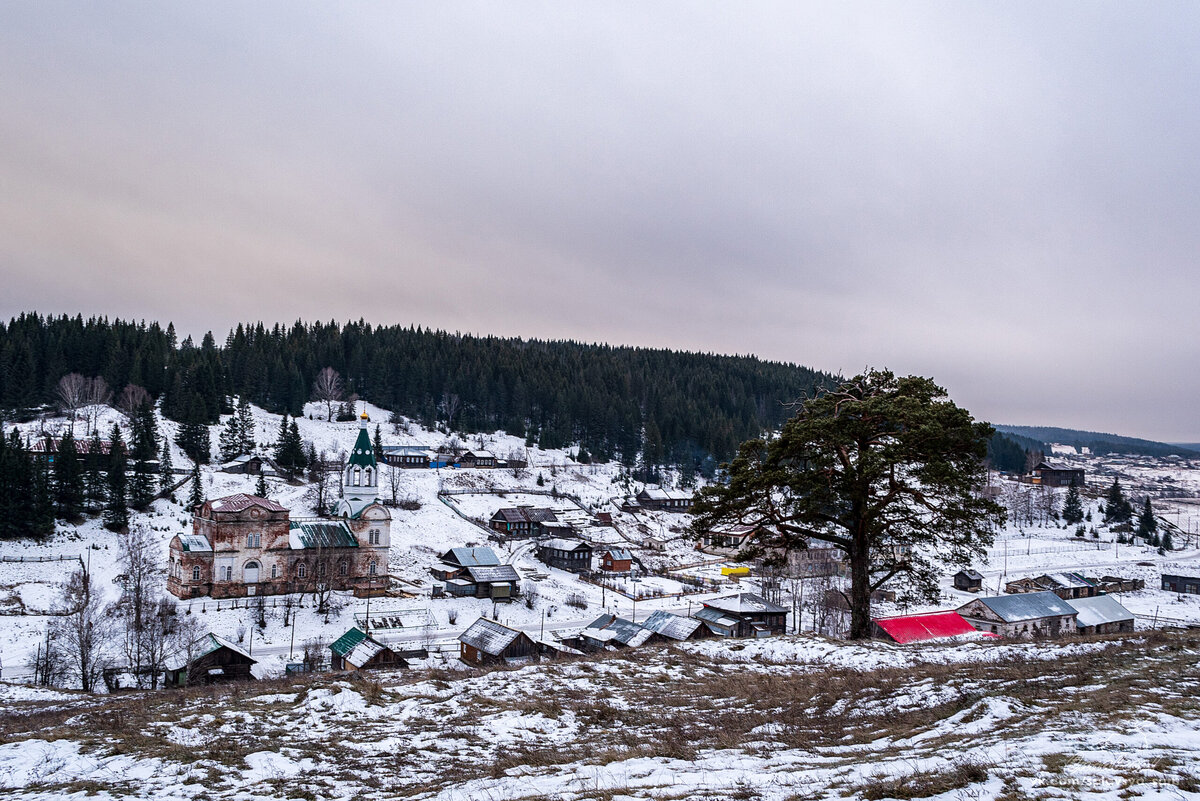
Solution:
(373, 538)
(367, 477)
(372, 568)
(196, 573)
(301, 570)
(357, 477)
(320, 568)
(343, 568)
(274, 571)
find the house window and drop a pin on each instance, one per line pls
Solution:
(321, 569)
(254, 540)
(228, 573)
(196, 573)
(374, 536)
(301, 570)
(372, 568)
(343, 568)
(274, 571)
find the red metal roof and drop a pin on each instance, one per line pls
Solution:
(928, 626)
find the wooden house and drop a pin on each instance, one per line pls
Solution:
(1031, 614)
(664, 500)
(1102, 614)
(968, 580)
(676, 628)
(1050, 474)
(520, 521)
(743, 615)
(495, 582)
(413, 457)
(1064, 585)
(212, 660)
(1117, 584)
(456, 560)
(727, 538)
(45, 449)
(477, 458)
(1189, 585)
(616, 560)
(566, 554)
(251, 465)
(610, 631)
(487, 642)
(356, 650)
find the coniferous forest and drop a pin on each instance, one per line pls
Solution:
(690, 409)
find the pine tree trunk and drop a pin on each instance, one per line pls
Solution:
(860, 587)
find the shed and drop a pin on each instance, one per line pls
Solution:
(487, 642)
(616, 560)
(969, 580)
(1026, 614)
(904, 629)
(1103, 614)
(675, 627)
(616, 631)
(356, 650)
(213, 659)
(753, 616)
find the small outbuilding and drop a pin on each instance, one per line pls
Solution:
(1103, 614)
(675, 627)
(356, 650)
(487, 642)
(1189, 585)
(968, 580)
(616, 560)
(210, 660)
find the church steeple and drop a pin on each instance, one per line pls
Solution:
(361, 481)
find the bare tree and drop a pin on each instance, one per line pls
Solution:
(394, 481)
(131, 399)
(328, 389)
(85, 630)
(184, 641)
(289, 608)
(70, 392)
(143, 612)
(48, 663)
(95, 395)
(318, 475)
(450, 406)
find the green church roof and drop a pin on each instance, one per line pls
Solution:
(363, 454)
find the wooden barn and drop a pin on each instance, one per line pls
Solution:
(487, 642)
(968, 580)
(616, 560)
(356, 650)
(1051, 474)
(213, 660)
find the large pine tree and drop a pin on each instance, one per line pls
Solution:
(1073, 506)
(116, 515)
(68, 480)
(144, 447)
(1117, 509)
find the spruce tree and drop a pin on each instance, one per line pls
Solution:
(1073, 507)
(230, 442)
(95, 487)
(1147, 525)
(1168, 544)
(1116, 508)
(144, 444)
(377, 443)
(116, 515)
(245, 420)
(260, 489)
(41, 512)
(166, 475)
(68, 480)
(197, 494)
(281, 440)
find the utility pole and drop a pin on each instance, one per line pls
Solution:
(367, 622)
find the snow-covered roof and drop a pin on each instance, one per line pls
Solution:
(241, 501)
(356, 647)
(1044, 465)
(525, 514)
(664, 495)
(471, 557)
(609, 627)
(618, 554)
(489, 636)
(320, 534)
(1099, 610)
(1073, 580)
(194, 543)
(973, 575)
(487, 574)
(1026, 606)
(716, 617)
(561, 544)
(206, 645)
(480, 454)
(744, 603)
(408, 450)
(675, 627)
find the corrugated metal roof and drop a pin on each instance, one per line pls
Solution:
(618, 554)
(1027, 606)
(715, 616)
(744, 603)
(488, 573)
(928, 626)
(320, 534)
(489, 636)
(356, 647)
(1073, 580)
(194, 543)
(242, 501)
(665, 495)
(1099, 610)
(560, 544)
(623, 631)
(471, 557)
(675, 627)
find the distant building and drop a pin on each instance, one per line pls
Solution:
(487, 642)
(45, 449)
(355, 650)
(676, 627)
(728, 538)
(615, 632)
(1103, 614)
(495, 582)
(521, 521)
(1051, 474)
(1031, 614)
(665, 500)
(477, 459)
(969, 580)
(904, 629)
(616, 560)
(566, 554)
(743, 615)
(212, 660)
(410, 456)
(1064, 585)
(1189, 585)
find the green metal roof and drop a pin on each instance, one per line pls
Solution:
(363, 454)
(347, 642)
(320, 534)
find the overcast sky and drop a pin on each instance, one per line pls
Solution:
(1005, 197)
